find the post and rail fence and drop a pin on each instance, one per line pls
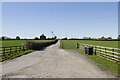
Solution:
(112, 54)
(8, 51)
(61, 44)
(13, 51)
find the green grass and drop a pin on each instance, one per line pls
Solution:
(104, 64)
(7, 43)
(72, 43)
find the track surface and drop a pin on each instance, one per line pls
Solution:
(52, 63)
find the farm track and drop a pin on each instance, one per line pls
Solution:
(52, 62)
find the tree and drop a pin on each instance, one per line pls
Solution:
(109, 37)
(64, 38)
(3, 38)
(43, 37)
(17, 38)
(54, 37)
(36, 38)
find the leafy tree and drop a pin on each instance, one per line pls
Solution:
(17, 38)
(36, 38)
(3, 38)
(64, 38)
(109, 37)
(54, 37)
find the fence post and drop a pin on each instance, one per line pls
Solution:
(118, 56)
(19, 48)
(4, 52)
(105, 53)
(61, 44)
(95, 50)
(100, 51)
(23, 48)
(10, 50)
(113, 53)
(15, 48)
(77, 45)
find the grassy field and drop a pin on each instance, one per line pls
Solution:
(8, 43)
(104, 64)
(18, 42)
(72, 43)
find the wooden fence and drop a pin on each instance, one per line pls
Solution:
(112, 54)
(61, 44)
(9, 51)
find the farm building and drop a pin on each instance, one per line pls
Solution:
(42, 37)
(102, 38)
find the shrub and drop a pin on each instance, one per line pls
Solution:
(38, 45)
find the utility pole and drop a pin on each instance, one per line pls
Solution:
(66, 35)
(52, 33)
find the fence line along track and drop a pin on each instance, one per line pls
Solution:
(9, 51)
(12, 51)
(112, 54)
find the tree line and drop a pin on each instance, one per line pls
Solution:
(18, 38)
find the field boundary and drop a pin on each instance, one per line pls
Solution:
(10, 52)
(7, 52)
(109, 53)
(37, 45)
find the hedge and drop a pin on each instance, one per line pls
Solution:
(38, 45)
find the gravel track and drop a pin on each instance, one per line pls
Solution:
(52, 62)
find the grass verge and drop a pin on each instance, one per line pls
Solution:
(104, 64)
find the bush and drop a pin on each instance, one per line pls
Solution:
(17, 38)
(38, 45)
(36, 38)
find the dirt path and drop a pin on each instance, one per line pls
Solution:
(52, 63)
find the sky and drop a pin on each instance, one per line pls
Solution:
(65, 19)
(60, 0)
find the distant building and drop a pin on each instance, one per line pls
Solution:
(102, 38)
(42, 37)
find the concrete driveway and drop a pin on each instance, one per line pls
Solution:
(52, 63)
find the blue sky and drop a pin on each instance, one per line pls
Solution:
(66, 19)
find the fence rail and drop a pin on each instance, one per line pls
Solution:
(112, 54)
(7, 52)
